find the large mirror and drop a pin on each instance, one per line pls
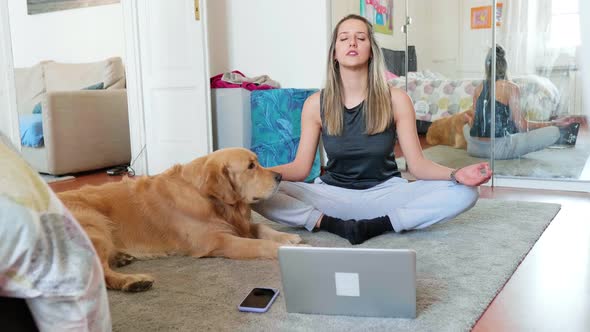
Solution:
(539, 130)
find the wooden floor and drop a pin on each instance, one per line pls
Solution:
(550, 290)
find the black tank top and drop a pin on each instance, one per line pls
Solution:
(482, 123)
(357, 160)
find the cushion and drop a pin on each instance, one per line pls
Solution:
(31, 130)
(30, 87)
(37, 108)
(98, 86)
(75, 76)
(436, 98)
(114, 74)
(276, 126)
(539, 97)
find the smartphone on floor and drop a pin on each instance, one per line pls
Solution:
(259, 299)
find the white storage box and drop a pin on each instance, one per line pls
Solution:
(231, 118)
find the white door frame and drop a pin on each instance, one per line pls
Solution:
(134, 87)
(8, 108)
(135, 96)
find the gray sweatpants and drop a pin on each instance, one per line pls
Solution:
(513, 145)
(409, 205)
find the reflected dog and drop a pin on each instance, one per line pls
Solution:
(449, 130)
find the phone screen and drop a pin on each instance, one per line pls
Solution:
(258, 298)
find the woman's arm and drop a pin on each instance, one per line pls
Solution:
(418, 165)
(405, 126)
(299, 169)
(514, 104)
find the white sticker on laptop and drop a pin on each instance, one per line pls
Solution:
(347, 284)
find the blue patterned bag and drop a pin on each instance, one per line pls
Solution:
(276, 126)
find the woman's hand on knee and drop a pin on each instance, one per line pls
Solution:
(474, 175)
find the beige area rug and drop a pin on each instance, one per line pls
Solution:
(461, 266)
(565, 163)
(51, 178)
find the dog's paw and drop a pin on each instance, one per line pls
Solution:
(123, 259)
(286, 238)
(138, 283)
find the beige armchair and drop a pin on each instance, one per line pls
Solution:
(82, 129)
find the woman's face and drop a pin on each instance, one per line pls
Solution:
(353, 47)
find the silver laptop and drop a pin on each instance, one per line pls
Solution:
(349, 281)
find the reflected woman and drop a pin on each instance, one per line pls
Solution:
(515, 136)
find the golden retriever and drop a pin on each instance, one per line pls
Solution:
(198, 209)
(449, 130)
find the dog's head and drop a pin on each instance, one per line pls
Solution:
(234, 175)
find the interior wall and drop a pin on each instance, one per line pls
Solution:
(76, 35)
(435, 36)
(473, 43)
(397, 41)
(443, 36)
(8, 121)
(286, 40)
(585, 54)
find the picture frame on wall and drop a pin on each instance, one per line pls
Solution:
(481, 17)
(379, 13)
(45, 6)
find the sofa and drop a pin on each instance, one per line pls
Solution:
(73, 116)
(438, 97)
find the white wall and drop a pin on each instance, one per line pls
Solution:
(443, 37)
(287, 40)
(77, 35)
(8, 114)
(585, 39)
(585, 64)
(432, 52)
(397, 41)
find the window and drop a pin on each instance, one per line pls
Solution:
(565, 24)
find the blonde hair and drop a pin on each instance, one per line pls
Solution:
(377, 108)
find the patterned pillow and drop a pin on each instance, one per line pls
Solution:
(539, 97)
(276, 126)
(438, 98)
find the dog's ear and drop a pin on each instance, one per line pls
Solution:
(218, 184)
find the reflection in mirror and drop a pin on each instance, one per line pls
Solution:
(445, 65)
(541, 130)
(514, 135)
(544, 63)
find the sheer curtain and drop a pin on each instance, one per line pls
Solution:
(585, 65)
(524, 33)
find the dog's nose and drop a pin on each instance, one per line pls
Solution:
(278, 177)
